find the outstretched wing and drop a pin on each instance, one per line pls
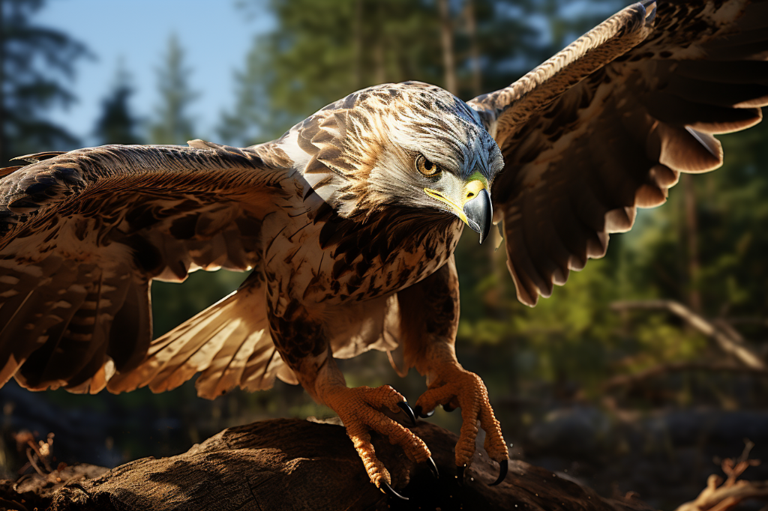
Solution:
(82, 234)
(608, 124)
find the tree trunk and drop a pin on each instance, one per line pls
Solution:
(474, 47)
(297, 464)
(446, 39)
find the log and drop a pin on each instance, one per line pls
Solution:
(299, 464)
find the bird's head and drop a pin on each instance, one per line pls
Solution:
(412, 145)
(441, 154)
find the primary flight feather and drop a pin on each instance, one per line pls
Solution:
(349, 221)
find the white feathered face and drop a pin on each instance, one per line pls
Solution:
(419, 146)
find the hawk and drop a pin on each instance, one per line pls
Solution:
(349, 221)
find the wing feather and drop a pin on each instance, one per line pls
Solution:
(513, 105)
(83, 234)
(228, 343)
(587, 142)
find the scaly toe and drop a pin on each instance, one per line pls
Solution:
(361, 412)
(457, 388)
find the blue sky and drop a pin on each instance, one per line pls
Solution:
(215, 35)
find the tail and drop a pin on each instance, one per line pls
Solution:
(229, 343)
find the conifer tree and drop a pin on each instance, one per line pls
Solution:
(172, 123)
(36, 64)
(117, 124)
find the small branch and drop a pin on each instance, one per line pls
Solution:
(720, 496)
(724, 341)
(32, 462)
(720, 499)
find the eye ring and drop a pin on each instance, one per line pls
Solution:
(427, 167)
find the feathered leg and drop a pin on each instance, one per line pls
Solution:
(303, 346)
(429, 320)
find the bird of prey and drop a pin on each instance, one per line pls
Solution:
(349, 221)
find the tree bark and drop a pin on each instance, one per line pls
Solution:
(297, 464)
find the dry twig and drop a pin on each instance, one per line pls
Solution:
(35, 451)
(719, 495)
(733, 345)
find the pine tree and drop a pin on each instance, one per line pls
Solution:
(117, 124)
(318, 53)
(35, 64)
(252, 117)
(173, 124)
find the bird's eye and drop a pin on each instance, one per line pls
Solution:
(426, 167)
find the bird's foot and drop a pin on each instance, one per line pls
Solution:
(359, 410)
(456, 388)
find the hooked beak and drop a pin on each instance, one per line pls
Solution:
(479, 213)
(476, 210)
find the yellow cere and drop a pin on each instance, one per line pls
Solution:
(475, 183)
(472, 188)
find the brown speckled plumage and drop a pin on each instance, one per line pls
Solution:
(578, 164)
(349, 240)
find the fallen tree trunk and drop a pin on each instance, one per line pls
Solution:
(297, 464)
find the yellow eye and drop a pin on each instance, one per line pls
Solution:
(426, 167)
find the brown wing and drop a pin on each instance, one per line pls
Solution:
(579, 164)
(82, 234)
(229, 343)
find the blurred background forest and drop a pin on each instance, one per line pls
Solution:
(636, 375)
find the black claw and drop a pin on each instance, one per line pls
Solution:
(433, 468)
(389, 491)
(460, 474)
(448, 408)
(407, 409)
(503, 467)
(418, 412)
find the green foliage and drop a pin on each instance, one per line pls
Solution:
(175, 303)
(35, 65)
(319, 52)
